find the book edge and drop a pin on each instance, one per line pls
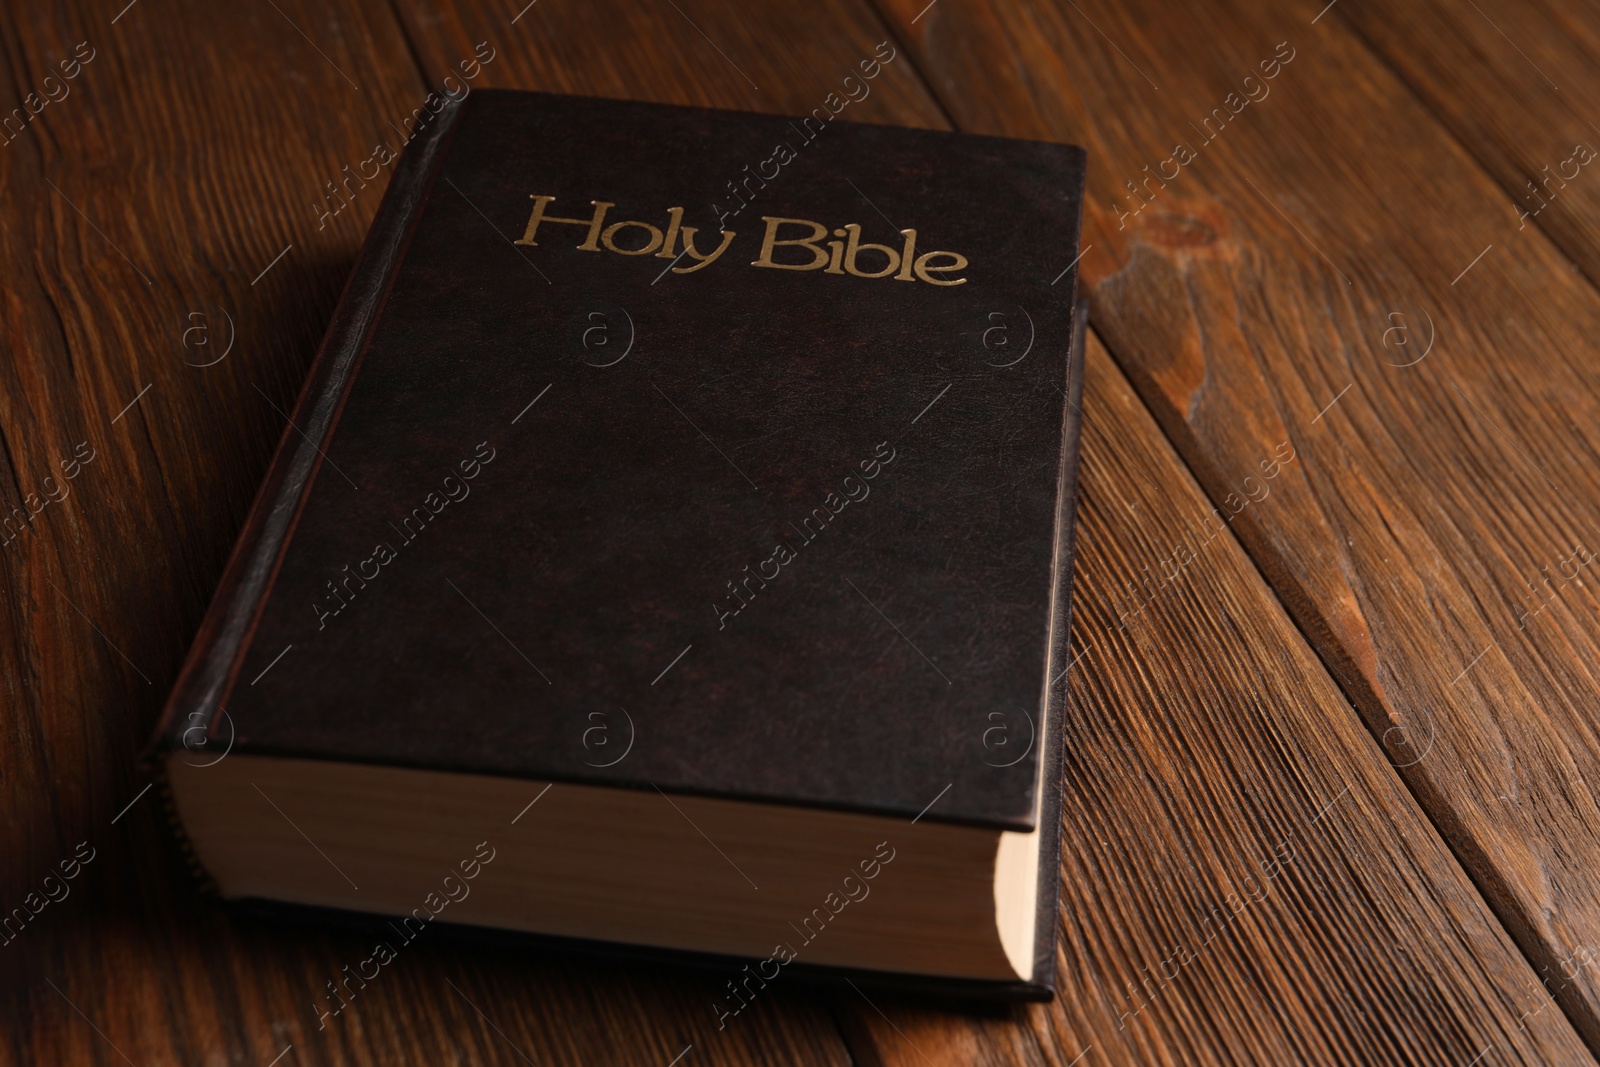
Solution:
(952, 989)
(1048, 900)
(217, 652)
(1078, 152)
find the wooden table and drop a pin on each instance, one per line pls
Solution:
(1334, 743)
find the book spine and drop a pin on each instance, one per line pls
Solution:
(1053, 727)
(217, 654)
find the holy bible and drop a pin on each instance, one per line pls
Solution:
(670, 548)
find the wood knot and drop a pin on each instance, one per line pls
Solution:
(1178, 231)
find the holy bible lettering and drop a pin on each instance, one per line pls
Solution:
(843, 255)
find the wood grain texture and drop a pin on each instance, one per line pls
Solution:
(1207, 737)
(189, 152)
(1209, 746)
(1283, 280)
(1516, 82)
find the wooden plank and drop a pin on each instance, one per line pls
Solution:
(168, 200)
(1323, 263)
(1210, 753)
(1513, 81)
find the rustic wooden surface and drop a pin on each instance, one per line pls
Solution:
(1216, 767)
(1515, 82)
(1316, 245)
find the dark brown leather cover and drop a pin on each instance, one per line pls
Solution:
(565, 613)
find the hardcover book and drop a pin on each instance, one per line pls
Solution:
(671, 548)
